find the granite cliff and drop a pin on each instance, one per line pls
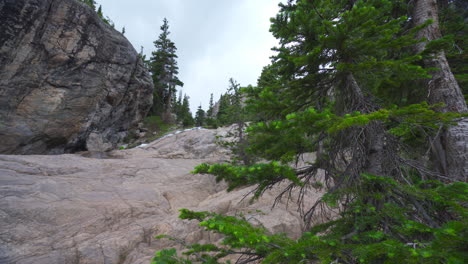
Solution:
(68, 81)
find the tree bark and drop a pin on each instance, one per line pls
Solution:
(374, 133)
(450, 148)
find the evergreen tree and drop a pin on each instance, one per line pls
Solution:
(209, 113)
(449, 152)
(347, 83)
(187, 118)
(230, 105)
(224, 104)
(238, 116)
(210, 118)
(200, 117)
(99, 12)
(164, 70)
(268, 84)
(182, 111)
(236, 107)
(178, 107)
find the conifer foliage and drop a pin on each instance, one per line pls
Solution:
(348, 84)
(164, 70)
(210, 119)
(200, 117)
(230, 106)
(182, 111)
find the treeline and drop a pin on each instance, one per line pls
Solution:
(173, 109)
(229, 109)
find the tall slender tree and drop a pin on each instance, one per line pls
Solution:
(209, 113)
(99, 12)
(164, 70)
(178, 106)
(187, 118)
(224, 105)
(200, 117)
(210, 118)
(450, 147)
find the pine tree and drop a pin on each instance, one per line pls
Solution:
(235, 96)
(224, 104)
(178, 107)
(210, 118)
(99, 12)
(164, 70)
(182, 110)
(268, 86)
(187, 118)
(200, 117)
(230, 105)
(238, 117)
(209, 113)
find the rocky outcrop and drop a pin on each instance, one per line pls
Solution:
(75, 209)
(68, 81)
(181, 145)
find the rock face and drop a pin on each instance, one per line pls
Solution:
(68, 81)
(74, 209)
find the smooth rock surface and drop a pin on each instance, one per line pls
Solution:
(74, 208)
(68, 81)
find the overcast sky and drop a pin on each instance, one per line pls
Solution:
(216, 39)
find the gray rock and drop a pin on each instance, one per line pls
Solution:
(95, 143)
(194, 144)
(66, 76)
(85, 210)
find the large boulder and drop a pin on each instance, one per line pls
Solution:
(68, 81)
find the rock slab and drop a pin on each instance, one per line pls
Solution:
(68, 81)
(72, 208)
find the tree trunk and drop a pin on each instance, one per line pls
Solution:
(374, 132)
(450, 148)
(167, 115)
